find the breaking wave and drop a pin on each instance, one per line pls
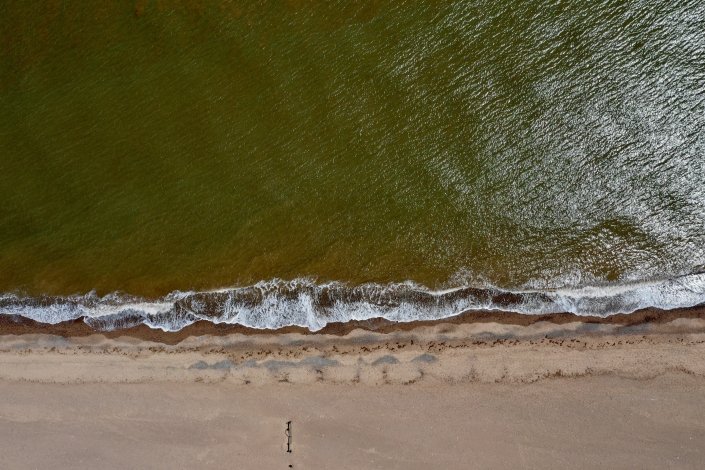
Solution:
(303, 302)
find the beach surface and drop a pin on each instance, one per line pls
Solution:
(415, 234)
(464, 395)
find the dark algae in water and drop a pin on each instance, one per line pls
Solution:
(155, 147)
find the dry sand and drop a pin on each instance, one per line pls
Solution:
(469, 395)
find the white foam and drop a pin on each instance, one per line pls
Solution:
(276, 303)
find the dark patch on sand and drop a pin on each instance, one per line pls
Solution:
(385, 360)
(425, 358)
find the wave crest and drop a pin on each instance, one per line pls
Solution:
(303, 302)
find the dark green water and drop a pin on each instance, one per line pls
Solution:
(156, 147)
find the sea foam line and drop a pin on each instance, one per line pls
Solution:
(303, 302)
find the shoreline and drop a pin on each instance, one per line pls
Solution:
(18, 325)
(304, 304)
(441, 353)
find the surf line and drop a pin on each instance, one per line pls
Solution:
(288, 437)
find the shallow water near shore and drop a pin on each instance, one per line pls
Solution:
(278, 304)
(381, 157)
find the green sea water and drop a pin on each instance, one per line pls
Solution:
(164, 146)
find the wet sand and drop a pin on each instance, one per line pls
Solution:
(445, 395)
(18, 325)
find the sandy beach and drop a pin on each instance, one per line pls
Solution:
(352, 235)
(445, 395)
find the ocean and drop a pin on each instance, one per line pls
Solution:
(300, 163)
